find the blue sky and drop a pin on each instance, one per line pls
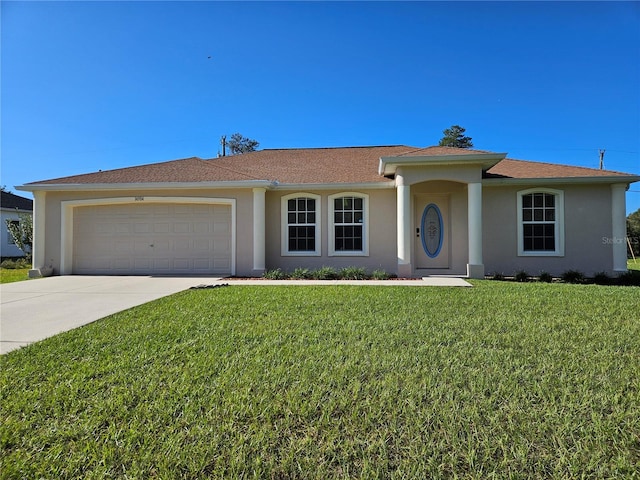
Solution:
(102, 85)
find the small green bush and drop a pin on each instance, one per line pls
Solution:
(301, 274)
(497, 276)
(14, 264)
(521, 276)
(380, 274)
(601, 278)
(630, 278)
(325, 273)
(573, 276)
(545, 277)
(276, 274)
(353, 273)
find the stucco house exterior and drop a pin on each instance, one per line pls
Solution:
(410, 211)
(11, 207)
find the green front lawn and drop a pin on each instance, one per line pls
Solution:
(504, 380)
(9, 275)
(633, 265)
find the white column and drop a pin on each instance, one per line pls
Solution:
(619, 227)
(259, 237)
(38, 259)
(403, 205)
(475, 267)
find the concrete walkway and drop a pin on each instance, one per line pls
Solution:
(37, 309)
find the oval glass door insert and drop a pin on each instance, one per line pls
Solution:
(432, 230)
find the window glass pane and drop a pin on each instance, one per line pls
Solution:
(538, 200)
(357, 217)
(526, 201)
(348, 217)
(291, 205)
(291, 218)
(302, 204)
(311, 217)
(528, 244)
(527, 230)
(302, 218)
(337, 217)
(311, 205)
(357, 203)
(348, 203)
(337, 204)
(538, 230)
(538, 215)
(526, 215)
(550, 215)
(538, 243)
(549, 200)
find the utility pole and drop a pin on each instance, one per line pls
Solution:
(223, 142)
(602, 158)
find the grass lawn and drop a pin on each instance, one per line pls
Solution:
(9, 275)
(631, 265)
(504, 380)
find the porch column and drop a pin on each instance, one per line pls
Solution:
(475, 267)
(38, 260)
(619, 227)
(403, 206)
(259, 237)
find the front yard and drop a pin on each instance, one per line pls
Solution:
(505, 380)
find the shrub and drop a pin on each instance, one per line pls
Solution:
(545, 277)
(14, 264)
(601, 278)
(353, 273)
(521, 276)
(325, 273)
(276, 274)
(497, 276)
(380, 274)
(301, 274)
(630, 278)
(573, 276)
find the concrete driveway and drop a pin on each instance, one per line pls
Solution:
(36, 309)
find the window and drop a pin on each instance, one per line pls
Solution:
(349, 224)
(301, 224)
(540, 223)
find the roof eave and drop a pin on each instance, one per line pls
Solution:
(561, 180)
(389, 165)
(36, 187)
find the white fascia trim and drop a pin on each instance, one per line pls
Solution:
(66, 221)
(335, 186)
(489, 182)
(389, 165)
(144, 186)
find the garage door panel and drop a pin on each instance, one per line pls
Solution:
(152, 238)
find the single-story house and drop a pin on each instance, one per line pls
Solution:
(406, 210)
(11, 208)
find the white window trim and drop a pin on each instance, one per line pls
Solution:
(284, 225)
(559, 224)
(365, 228)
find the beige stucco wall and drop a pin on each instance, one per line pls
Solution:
(382, 233)
(244, 219)
(587, 225)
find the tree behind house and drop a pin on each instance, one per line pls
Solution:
(22, 232)
(240, 144)
(455, 137)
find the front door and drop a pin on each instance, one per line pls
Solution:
(432, 233)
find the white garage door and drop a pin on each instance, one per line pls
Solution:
(152, 239)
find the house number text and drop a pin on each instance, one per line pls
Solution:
(139, 199)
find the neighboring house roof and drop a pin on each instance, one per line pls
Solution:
(340, 165)
(14, 202)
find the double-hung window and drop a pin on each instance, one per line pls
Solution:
(301, 224)
(540, 222)
(349, 224)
